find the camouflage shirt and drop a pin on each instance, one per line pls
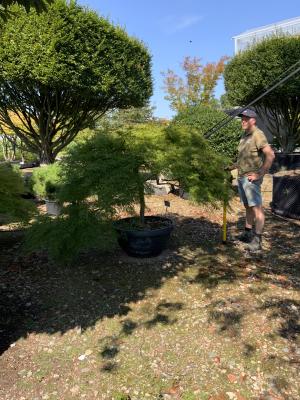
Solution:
(250, 155)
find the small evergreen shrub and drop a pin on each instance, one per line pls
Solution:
(12, 206)
(46, 181)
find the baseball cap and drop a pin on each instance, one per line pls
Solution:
(248, 113)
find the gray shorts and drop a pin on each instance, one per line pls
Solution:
(250, 193)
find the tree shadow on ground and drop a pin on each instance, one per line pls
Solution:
(288, 311)
(281, 250)
(39, 296)
(227, 315)
(277, 268)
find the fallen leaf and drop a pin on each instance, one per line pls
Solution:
(232, 378)
(240, 397)
(212, 329)
(282, 278)
(220, 396)
(231, 395)
(173, 390)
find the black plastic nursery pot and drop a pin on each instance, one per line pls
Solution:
(149, 241)
(286, 196)
(285, 161)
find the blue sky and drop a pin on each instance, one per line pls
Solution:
(173, 29)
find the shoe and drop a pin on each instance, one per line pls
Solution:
(255, 244)
(245, 237)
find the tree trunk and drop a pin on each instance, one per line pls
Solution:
(141, 200)
(46, 155)
(9, 149)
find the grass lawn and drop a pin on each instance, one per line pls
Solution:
(201, 321)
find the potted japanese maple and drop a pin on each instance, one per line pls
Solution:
(112, 169)
(108, 175)
(178, 151)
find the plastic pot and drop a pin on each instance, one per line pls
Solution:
(146, 242)
(53, 207)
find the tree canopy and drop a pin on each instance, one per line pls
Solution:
(252, 71)
(62, 69)
(127, 117)
(198, 85)
(38, 5)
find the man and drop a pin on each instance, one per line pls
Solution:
(255, 157)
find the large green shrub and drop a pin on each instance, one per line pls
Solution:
(63, 69)
(38, 5)
(201, 118)
(252, 71)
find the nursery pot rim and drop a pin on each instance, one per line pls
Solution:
(119, 224)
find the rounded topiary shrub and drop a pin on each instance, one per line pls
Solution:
(202, 118)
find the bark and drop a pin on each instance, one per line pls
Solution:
(141, 198)
(52, 122)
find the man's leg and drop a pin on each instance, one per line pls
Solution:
(247, 235)
(254, 212)
(259, 221)
(259, 218)
(250, 215)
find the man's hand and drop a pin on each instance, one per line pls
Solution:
(253, 176)
(230, 167)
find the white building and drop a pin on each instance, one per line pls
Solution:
(253, 36)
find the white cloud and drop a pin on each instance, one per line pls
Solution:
(172, 24)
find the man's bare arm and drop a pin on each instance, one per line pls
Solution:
(269, 158)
